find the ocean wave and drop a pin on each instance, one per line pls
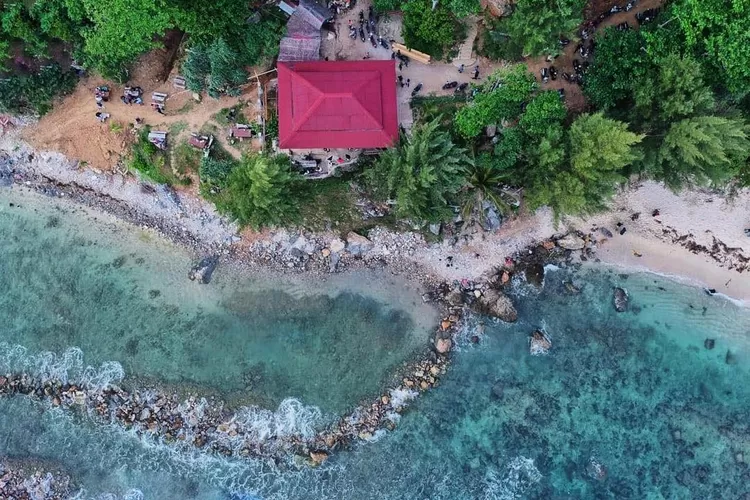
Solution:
(66, 368)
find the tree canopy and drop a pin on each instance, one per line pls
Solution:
(500, 98)
(261, 191)
(423, 173)
(537, 26)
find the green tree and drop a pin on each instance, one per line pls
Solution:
(598, 149)
(216, 68)
(262, 191)
(539, 24)
(500, 98)
(429, 30)
(544, 109)
(214, 173)
(121, 31)
(719, 31)
(423, 173)
(702, 150)
(484, 183)
(619, 63)
(675, 90)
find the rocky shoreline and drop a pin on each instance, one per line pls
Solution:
(194, 421)
(30, 482)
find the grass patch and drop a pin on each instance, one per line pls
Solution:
(153, 163)
(231, 115)
(177, 127)
(187, 107)
(116, 127)
(186, 158)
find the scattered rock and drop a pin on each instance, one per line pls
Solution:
(358, 244)
(443, 346)
(445, 324)
(435, 229)
(497, 304)
(621, 299)
(204, 269)
(730, 358)
(606, 232)
(539, 343)
(318, 457)
(548, 245)
(677, 435)
(571, 242)
(325, 252)
(709, 343)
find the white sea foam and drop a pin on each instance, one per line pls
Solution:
(291, 418)
(519, 474)
(67, 367)
(401, 397)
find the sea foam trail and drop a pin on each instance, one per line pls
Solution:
(65, 368)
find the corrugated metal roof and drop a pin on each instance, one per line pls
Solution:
(337, 104)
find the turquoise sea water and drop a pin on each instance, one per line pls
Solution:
(628, 405)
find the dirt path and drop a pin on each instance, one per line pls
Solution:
(72, 128)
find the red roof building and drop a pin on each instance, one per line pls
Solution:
(337, 104)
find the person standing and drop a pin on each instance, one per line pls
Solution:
(408, 82)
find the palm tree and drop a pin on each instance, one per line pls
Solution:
(484, 183)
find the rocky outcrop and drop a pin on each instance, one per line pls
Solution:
(443, 346)
(620, 299)
(571, 242)
(539, 343)
(204, 269)
(358, 244)
(495, 303)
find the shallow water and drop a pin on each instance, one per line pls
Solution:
(123, 296)
(625, 405)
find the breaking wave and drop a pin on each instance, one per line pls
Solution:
(67, 367)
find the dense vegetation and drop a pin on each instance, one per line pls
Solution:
(429, 26)
(108, 36)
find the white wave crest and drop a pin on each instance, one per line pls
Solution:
(291, 418)
(67, 367)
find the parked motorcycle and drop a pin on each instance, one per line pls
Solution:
(553, 72)
(461, 88)
(416, 89)
(450, 85)
(383, 43)
(352, 32)
(373, 41)
(362, 34)
(545, 75)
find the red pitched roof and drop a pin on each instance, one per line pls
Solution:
(337, 104)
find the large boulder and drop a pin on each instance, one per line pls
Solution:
(495, 303)
(539, 343)
(337, 245)
(443, 346)
(202, 271)
(358, 244)
(571, 242)
(620, 299)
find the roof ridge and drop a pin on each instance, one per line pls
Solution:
(363, 107)
(320, 95)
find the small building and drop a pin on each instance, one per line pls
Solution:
(337, 104)
(302, 40)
